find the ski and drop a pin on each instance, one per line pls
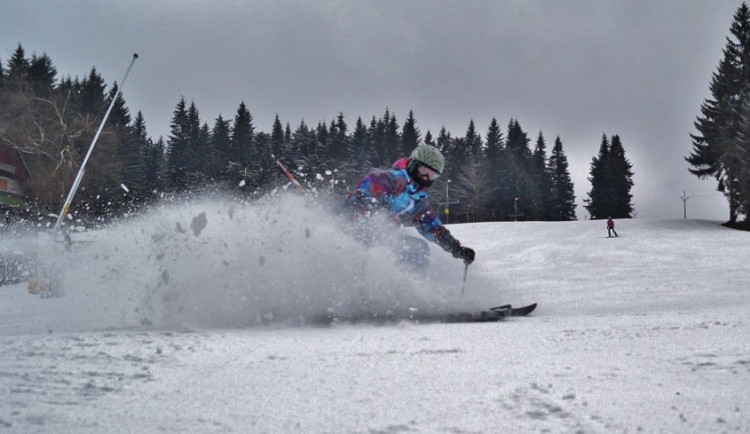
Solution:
(509, 310)
(482, 316)
(494, 314)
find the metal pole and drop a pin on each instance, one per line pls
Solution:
(684, 204)
(81, 171)
(447, 203)
(289, 174)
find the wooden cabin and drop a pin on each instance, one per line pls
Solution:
(13, 173)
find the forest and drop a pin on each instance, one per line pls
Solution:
(49, 122)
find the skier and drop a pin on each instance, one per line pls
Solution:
(400, 191)
(611, 227)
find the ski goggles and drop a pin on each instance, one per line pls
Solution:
(426, 173)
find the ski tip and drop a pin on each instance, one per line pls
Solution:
(523, 311)
(508, 309)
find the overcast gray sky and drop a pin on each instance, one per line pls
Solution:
(570, 68)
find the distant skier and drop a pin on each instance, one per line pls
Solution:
(611, 227)
(400, 192)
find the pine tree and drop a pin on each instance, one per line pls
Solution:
(18, 68)
(542, 181)
(410, 135)
(120, 115)
(188, 147)
(718, 148)
(360, 153)
(128, 141)
(713, 147)
(391, 139)
(611, 181)
(263, 170)
(473, 141)
(92, 96)
(305, 141)
(242, 152)
(67, 86)
(517, 143)
(277, 138)
(322, 157)
(380, 150)
(598, 201)
(2, 74)
(524, 191)
(444, 144)
(472, 184)
(494, 142)
(462, 151)
(496, 162)
(428, 138)
(743, 143)
(197, 148)
(177, 147)
(42, 74)
(621, 173)
(221, 143)
(141, 148)
(153, 166)
(339, 142)
(453, 149)
(737, 155)
(474, 189)
(302, 152)
(205, 153)
(562, 190)
(444, 141)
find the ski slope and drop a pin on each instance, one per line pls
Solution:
(200, 317)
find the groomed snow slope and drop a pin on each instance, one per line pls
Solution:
(189, 322)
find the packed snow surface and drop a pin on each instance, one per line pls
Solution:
(211, 316)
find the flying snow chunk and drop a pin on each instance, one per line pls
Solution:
(242, 183)
(125, 188)
(199, 223)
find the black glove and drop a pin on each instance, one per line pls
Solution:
(464, 253)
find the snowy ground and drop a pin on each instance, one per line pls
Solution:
(190, 322)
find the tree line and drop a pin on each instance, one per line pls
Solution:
(498, 176)
(721, 145)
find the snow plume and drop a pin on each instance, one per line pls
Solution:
(213, 262)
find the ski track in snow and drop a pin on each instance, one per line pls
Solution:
(201, 317)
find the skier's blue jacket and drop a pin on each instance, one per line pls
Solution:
(394, 190)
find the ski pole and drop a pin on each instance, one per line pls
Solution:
(463, 286)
